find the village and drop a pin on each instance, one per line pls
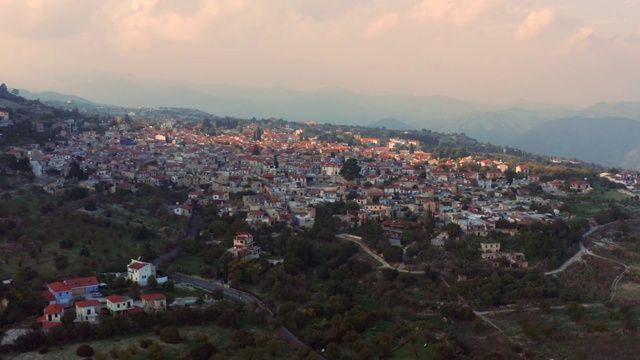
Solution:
(282, 175)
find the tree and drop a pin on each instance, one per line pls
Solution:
(170, 335)
(61, 262)
(85, 351)
(350, 169)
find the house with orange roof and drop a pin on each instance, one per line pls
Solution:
(119, 305)
(88, 310)
(52, 316)
(140, 271)
(154, 302)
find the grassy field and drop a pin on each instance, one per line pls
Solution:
(129, 344)
(102, 240)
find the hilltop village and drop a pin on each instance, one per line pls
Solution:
(276, 197)
(284, 174)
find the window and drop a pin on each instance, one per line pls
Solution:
(88, 311)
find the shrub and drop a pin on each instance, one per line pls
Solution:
(85, 351)
(200, 337)
(43, 349)
(170, 335)
(145, 343)
(203, 351)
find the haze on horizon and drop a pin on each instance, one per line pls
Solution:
(575, 52)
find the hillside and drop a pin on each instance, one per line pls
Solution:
(609, 141)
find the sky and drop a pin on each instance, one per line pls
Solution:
(573, 52)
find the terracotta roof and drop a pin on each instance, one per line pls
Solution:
(86, 303)
(59, 287)
(82, 282)
(137, 266)
(54, 309)
(48, 296)
(152, 297)
(116, 299)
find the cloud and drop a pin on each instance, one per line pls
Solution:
(459, 13)
(382, 24)
(537, 21)
(136, 24)
(579, 40)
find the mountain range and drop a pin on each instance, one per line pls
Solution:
(601, 133)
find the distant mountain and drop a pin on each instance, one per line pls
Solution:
(608, 141)
(329, 105)
(392, 124)
(501, 126)
(514, 124)
(626, 109)
(52, 96)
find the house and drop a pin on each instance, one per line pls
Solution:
(88, 310)
(118, 305)
(522, 169)
(83, 286)
(581, 186)
(53, 314)
(154, 302)
(243, 246)
(140, 271)
(61, 292)
(183, 210)
(490, 247)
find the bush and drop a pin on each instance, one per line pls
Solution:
(85, 351)
(170, 335)
(145, 343)
(203, 351)
(43, 349)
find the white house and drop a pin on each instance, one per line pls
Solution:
(140, 271)
(183, 210)
(88, 310)
(118, 305)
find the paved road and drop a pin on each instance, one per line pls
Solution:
(357, 240)
(578, 255)
(237, 295)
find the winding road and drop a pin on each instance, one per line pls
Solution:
(358, 240)
(238, 295)
(578, 255)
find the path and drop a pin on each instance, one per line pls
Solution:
(358, 240)
(238, 295)
(192, 232)
(578, 256)
(585, 251)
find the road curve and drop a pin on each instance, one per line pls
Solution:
(238, 295)
(357, 240)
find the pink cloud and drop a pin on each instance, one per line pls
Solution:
(457, 12)
(537, 21)
(382, 24)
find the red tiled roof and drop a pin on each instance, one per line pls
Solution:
(59, 287)
(50, 324)
(82, 282)
(116, 299)
(86, 303)
(54, 309)
(48, 296)
(134, 310)
(152, 297)
(137, 266)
